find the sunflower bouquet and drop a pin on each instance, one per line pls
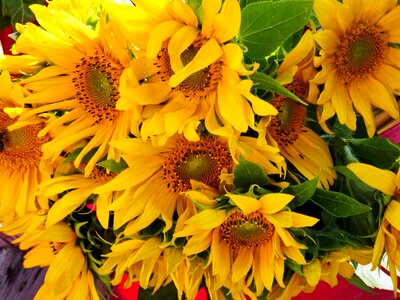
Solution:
(228, 144)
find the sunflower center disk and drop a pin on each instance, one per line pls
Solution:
(360, 51)
(20, 148)
(198, 84)
(96, 81)
(100, 175)
(289, 123)
(201, 161)
(251, 230)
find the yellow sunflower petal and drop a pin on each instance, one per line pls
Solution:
(312, 272)
(211, 9)
(207, 54)
(179, 42)
(233, 58)
(328, 40)
(245, 203)
(159, 34)
(327, 20)
(220, 257)
(363, 106)
(242, 264)
(274, 202)
(260, 107)
(185, 13)
(227, 22)
(382, 180)
(392, 214)
(207, 219)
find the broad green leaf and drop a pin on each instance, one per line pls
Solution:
(113, 166)
(376, 151)
(247, 173)
(302, 192)
(332, 239)
(266, 24)
(19, 10)
(267, 83)
(338, 204)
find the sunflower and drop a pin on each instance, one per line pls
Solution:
(250, 242)
(360, 67)
(193, 70)
(69, 192)
(297, 143)
(22, 166)
(388, 238)
(77, 76)
(54, 247)
(157, 175)
(322, 269)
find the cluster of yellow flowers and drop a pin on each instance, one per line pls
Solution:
(146, 139)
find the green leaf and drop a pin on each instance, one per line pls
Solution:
(267, 83)
(247, 173)
(302, 192)
(266, 24)
(19, 10)
(168, 292)
(376, 151)
(347, 173)
(338, 204)
(358, 282)
(113, 166)
(74, 154)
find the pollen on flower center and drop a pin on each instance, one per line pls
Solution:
(241, 230)
(20, 148)
(100, 175)
(201, 161)
(198, 84)
(56, 247)
(96, 80)
(360, 51)
(289, 123)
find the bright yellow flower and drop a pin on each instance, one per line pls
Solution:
(247, 244)
(54, 247)
(298, 144)
(322, 269)
(152, 264)
(75, 190)
(193, 70)
(360, 69)
(388, 238)
(157, 175)
(78, 71)
(22, 166)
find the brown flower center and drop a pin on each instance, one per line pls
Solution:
(198, 84)
(241, 230)
(289, 123)
(100, 175)
(201, 161)
(96, 81)
(360, 51)
(20, 148)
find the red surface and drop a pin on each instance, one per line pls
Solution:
(343, 291)
(6, 41)
(392, 134)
